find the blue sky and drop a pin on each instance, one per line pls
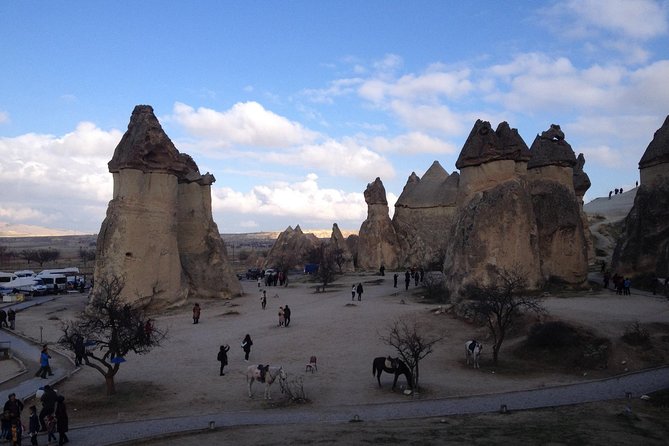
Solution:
(295, 106)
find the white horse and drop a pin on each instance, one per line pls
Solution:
(473, 350)
(271, 374)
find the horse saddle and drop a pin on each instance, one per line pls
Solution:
(263, 371)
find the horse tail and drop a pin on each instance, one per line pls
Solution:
(374, 368)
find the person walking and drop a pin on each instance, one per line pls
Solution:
(395, 276)
(44, 363)
(79, 350)
(353, 292)
(11, 317)
(407, 280)
(282, 317)
(223, 357)
(263, 299)
(33, 426)
(12, 413)
(49, 399)
(196, 313)
(62, 421)
(286, 316)
(359, 291)
(246, 346)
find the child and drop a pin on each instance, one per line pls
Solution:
(51, 428)
(6, 419)
(17, 432)
(33, 426)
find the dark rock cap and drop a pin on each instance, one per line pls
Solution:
(551, 149)
(581, 179)
(146, 147)
(657, 151)
(376, 193)
(484, 145)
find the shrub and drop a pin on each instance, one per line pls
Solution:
(552, 335)
(635, 334)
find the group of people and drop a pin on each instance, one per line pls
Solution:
(8, 318)
(620, 284)
(357, 289)
(274, 279)
(224, 349)
(618, 191)
(284, 316)
(51, 419)
(417, 274)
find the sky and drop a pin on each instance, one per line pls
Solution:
(295, 106)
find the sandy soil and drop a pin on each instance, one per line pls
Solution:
(181, 377)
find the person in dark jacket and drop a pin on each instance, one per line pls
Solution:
(11, 317)
(49, 398)
(358, 290)
(223, 357)
(246, 346)
(33, 426)
(79, 350)
(286, 315)
(61, 421)
(12, 412)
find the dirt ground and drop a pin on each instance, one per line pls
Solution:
(181, 377)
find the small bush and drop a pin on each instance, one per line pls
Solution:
(435, 287)
(294, 390)
(551, 335)
(635, 334)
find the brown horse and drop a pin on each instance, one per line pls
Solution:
(392, 365)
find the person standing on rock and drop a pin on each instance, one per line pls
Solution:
(359, 291)
(395, 276)
(286, 315)
(246, 346)
(196, 313)
(223, 357)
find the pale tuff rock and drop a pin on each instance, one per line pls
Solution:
(377, 243)
(422, 212)
(643, 248)
(291, 249)
(511, 217)
(581, 182)
(337, 242)
(159, 234)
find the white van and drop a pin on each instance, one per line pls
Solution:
(10, 282)
(50, 280)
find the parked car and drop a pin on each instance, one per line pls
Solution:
(253, 273)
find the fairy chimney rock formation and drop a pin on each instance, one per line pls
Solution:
(489, 157)
(643, 247)
(343, 254)
(552, 157)
(377, 243)
(425, 207)
(654, 164)
(159, 234)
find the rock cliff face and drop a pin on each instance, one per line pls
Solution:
(159, 233)
(291, 249)
(581, 186)
(425, 207)
(377, 241)
(643, 247)
(516, 210)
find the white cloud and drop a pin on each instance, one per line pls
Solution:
(428, 86)
(338, 87)
(430, 117)
(246, 123)
(4, 117)
(51, 179)
(303, 200)
(638, 19)
(603, 155)
(413, 142)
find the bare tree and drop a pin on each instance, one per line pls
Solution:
(502, 304)
(112, 329)
(410, 343)
(327, 265)
(40, 256)
(86, 254)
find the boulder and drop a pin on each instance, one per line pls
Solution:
(343, 254)
(552, 157)
(377, 241)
